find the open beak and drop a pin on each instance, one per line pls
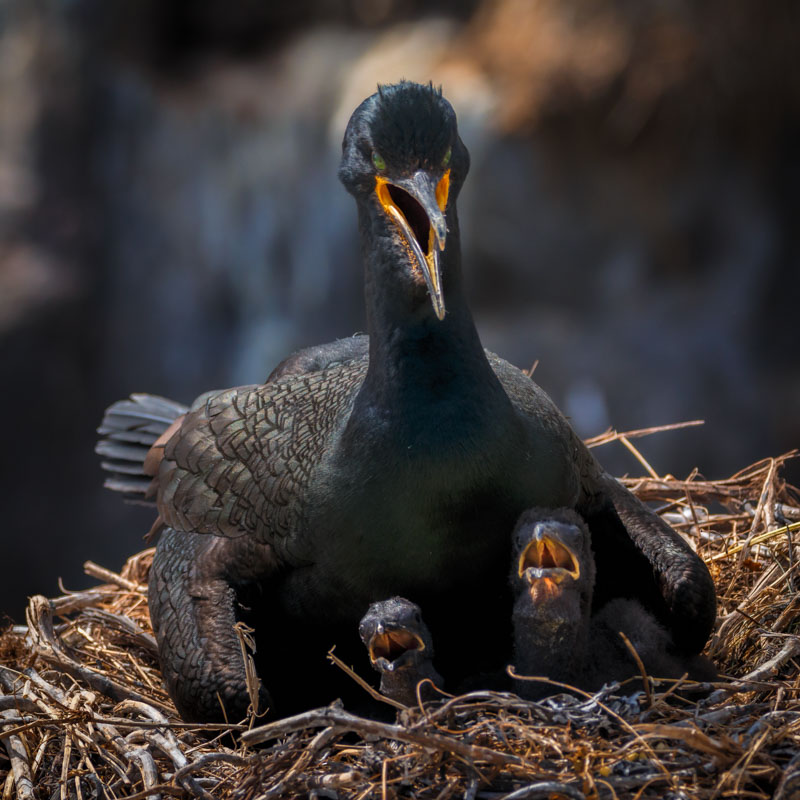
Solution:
(417, 205)
(547, 559)
(392, 648)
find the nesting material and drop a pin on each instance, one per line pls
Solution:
(83, 712)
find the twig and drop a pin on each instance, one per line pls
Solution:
(40, 626)
(210, 758)
(692, 737)
(20, 768)
(103, 574)
(639, 457)
(544, 790)
(147, 768)
(165, 740)
(247, 646)
(611, 435)
(765, 670)
(372, 691)
(625, 724)
(336, 717)
(763, 500)
(762, 537)
(322, 739)
(770, 667)
(126, 624)
(648, 691)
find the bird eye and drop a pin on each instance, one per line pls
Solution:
(447, 156)
(378, 161)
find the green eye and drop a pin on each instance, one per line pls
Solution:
(378, 161)
(447, 156)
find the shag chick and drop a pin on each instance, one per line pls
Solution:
(555, 634)
(400, 648)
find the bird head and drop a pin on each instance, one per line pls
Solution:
(552, 556)
(395, 635)
(402, 156)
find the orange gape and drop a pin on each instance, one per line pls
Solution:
(382, 190)
(442, 193)
(547, 553)
(443, 190)
(393, 212)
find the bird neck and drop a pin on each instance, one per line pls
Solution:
(401, 685)
(550, 641)
(409, 347)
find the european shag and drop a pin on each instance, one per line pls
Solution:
(367, 469)
(400, 648)
(555, 634)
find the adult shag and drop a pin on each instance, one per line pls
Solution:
(362, 471)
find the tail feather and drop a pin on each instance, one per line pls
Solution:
(134, 488)
(143, 435)
(121, 452)
(128, 430)
(141, 409)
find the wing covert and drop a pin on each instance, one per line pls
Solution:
(242, 462)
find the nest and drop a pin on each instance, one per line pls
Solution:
(83, 712)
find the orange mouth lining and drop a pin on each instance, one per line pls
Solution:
(395, 200)
(548, 554)
(392, 644)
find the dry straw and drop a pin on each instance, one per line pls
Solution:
(83, 713)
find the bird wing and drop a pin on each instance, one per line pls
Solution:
(241, 461)
(683, 581)
(322, 356)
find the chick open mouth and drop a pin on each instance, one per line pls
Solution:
(392, 644)
(548, 558)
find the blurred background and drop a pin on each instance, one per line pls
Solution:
(170, 220)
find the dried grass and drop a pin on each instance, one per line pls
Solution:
(83, 713)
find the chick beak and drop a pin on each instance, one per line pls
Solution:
(548, 557)
(391, 648)
(416, 205)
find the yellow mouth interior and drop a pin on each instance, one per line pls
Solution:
(397, 201)
(547, 553)
(443, 191)
(392, 644)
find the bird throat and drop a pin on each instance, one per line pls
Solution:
(428, 380)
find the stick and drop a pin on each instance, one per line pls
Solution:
(103, 574)
(20, 767)
(611, 435)
(642, 671)
(336, 717)
(374, 693)
(760, 673)
(762, 537)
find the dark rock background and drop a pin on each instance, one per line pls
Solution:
(170, 219)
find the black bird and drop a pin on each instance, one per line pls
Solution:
(400, 648)
(366, 469)
(555, 634)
